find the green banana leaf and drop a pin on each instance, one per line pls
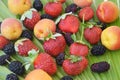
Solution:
(112, 57)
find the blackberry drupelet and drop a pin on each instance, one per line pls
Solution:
(68, 38)
(71, 8)
(47, 16)
(66, 78)
(3, 59)
(9, 49)
(37, 4)
(60, 58)
(98, 50)
(27, 34)
(12, 76)
(16, 67)
(100, 67)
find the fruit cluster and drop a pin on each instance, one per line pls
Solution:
(57, 31)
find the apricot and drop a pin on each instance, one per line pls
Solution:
(19, 6)
(83, 3)
(11, 28)
(44, 27)
(110, 37)
(107, 12)
(38, 74)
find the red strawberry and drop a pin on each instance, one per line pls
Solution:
(75, 66)
(61, 1)
(25, 46)
(87, 13)
(69, 24)
(3, 42)
(93, 34)
(53, 8)
(55, 46)
(79, 49)
(30, 18)
(46, 62)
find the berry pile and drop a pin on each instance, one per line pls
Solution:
(56, 33)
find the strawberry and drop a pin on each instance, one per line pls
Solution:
(3, 42)
(30, 18)
(69, 24)
(53, 8)
(25, 46)
(84, 13)
(79, 49)
(75, 65)
(54, 46)
(46, 62)
(92, 35)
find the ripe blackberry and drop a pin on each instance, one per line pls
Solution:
(27, 34)
(71, 8)
(103, 25)
(100, 67)
(43, 16)
(16, 67)
(37, 4)
(68, 38)
(98, 50)
(60, 58)
(12, 76)
(3, 59)
(9, 49)
(66, 78)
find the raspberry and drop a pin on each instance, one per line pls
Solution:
(100, 67)
(66, 78)
(37, 4)
(60, 58)
(3, 59)
(98, 50)
(17, 67)
(27, 34)
(12, 77)
(71, 8)
(43, 16)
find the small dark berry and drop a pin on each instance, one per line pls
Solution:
(98, 50)
(9, 49)
(103, 26)
(66, 78)
(100, 67)
(47, 16)
(16, 67)
(71, 8)
(60, 58)
(12, 77)
(99, 23)
(68, 38)
(27, 34)
(4, 58)
(37, 4)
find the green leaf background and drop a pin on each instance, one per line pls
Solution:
(112, 57)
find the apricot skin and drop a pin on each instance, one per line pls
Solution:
(107, 12)
(110, 38)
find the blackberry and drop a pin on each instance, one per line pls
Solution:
(27, 34)
(12, 76)
(71, 8)
(37, 4)
(43, 16)
(103, 25)
(100, 67)
(3, 59)
(9, 49)
(60, 58)
(16, 67)
(98, 50)
(66, 78)
(68, 38)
